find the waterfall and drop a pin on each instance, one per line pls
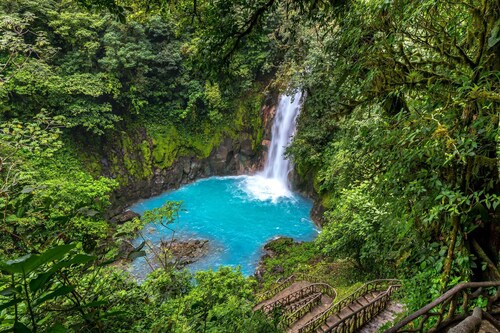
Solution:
(277, 166)
(272, 183)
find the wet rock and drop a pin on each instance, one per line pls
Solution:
(221, 153)
(126, 216)
(260, 271)
(124, 249)
(246, 147)
(317, 213)
(186, 252)
(277, 269)
(186, 167)
(195, 168)
(268, 113)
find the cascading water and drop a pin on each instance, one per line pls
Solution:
(277, 166)
(272, 183)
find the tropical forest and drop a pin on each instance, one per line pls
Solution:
(253, 166)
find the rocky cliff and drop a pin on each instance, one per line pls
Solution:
(150, 159)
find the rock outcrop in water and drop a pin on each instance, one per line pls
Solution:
(186, 252)
(271, 250)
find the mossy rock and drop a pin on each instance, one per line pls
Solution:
(280, 245)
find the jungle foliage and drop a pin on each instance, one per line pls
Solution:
(401, 132)
(71, 71)
(400, 129)
(399, 136)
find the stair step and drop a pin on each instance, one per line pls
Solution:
(301, 300)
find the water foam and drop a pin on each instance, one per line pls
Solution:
(272, 183)
(261, 188)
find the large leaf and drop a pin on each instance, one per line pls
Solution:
(94, 304)
(140, 247)
(9, 292)
(495, 35)
(28, 189)
(136, 254)
(113, 314)
(30, 262)
(57, 328)
(15, 265)
(42, 279)
(61, 291)
(9, 304)
(21, 328)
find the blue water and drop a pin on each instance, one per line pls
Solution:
(238, 215)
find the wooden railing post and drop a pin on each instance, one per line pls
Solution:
(444, 307)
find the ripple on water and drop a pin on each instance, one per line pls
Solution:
(238, 215)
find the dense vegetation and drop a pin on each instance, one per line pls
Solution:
(71, 81)
(401, 132)
(399, 138)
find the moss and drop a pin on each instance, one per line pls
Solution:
(248, 117)
(205, 141)
(146, 154)
(116, 170)
(166, 144)
(316, 183)
(280, 245)
(131, 157)
(327, 200)
(92, 164)
(307, 258)
(131, 163)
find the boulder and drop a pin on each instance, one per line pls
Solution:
(277, 269)
(125, 216)
(186, 252)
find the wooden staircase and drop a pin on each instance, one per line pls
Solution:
(300, 299)
(304, 306)
(354, 311)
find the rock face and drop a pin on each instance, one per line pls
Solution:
(229, 158)
(243, 154)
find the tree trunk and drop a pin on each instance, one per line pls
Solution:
(445, 278)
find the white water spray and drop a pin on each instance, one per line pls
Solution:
(277, 166)
(272, 183)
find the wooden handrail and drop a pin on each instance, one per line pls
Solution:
(363, 315)
(448, 298)
(274, 291)
(284, 284)
(325, 289)
(319, 319)
(305, 291)
(300, 303)
(301, 311)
